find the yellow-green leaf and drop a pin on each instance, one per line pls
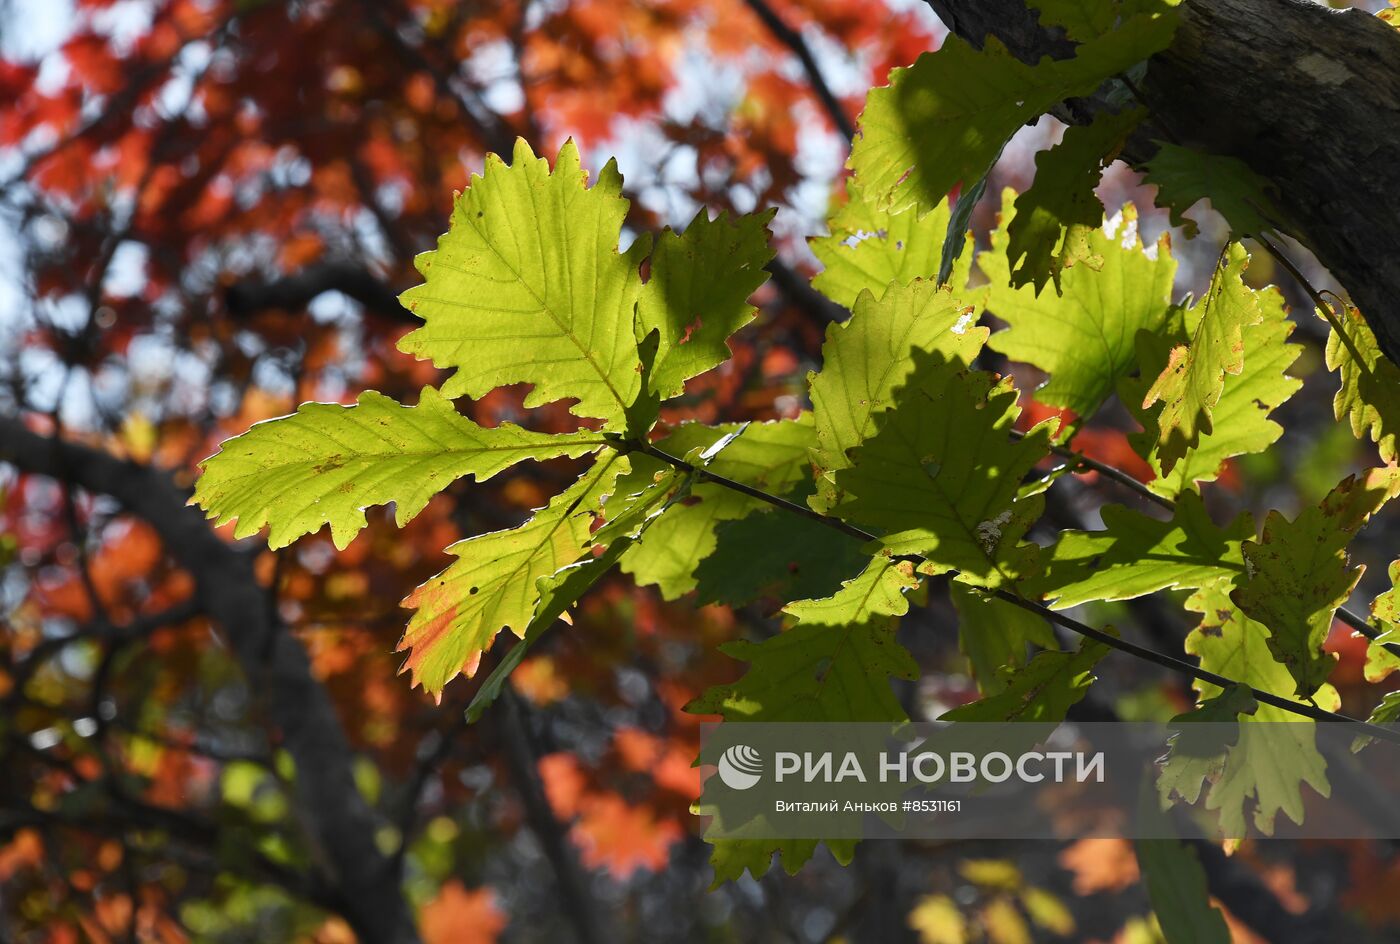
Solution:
(528, 286)
(698, 291)
(1298, 574)
(868, 249)
(1370, 393)
(1191, 384)
(1084, 337)
(1136, 554)
(941, 477)
(1265, 770)
(326, 463)
(866, 359)
(492, 584)
(1057, 216)
(1240, 423)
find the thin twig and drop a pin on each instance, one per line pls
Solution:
(1323, 308)
(1149, 655)
(1356, 622)
(1107, 471)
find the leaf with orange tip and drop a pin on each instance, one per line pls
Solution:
(493, 583)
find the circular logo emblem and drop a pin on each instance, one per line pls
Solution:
(740, 767)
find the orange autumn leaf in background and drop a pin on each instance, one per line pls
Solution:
(459, 915)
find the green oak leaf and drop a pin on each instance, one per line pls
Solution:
(558, 592)
(1370, 386)
(1198, 747)
(868, 249)
(1265, 770)
(633, 513)
(528, 286)
(769, 456)
(867, 358)
(1193, 380)
(772, 555)
(1042, 690)
(1184, 177)
(814, 672)
(941, 477)
(957, 255)
(878, 590)
(995, 635)
(944, 120)
(1083, 338)
(698, 291)
(1136, 554)
(1240, 420)
(326, 463)
(1298, 574)
(1055, 218)
(641, 414)
(492, 585)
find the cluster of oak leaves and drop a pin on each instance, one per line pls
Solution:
(905, 439)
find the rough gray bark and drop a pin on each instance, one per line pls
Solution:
(1306, 95)
(362, 881)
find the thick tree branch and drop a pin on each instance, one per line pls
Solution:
(1302, 93)
(342, 826)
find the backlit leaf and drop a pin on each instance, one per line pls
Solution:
(1043, 690)
(1298, 574)
(1265, 771)
(996, 635)
(1191, 384)
(941, 477)
(1370, 393)
(769, 456)
(326, 463)
(1176, 886)
(493, 583)
(698, 291)
(879, 590)
(944, 120)
(1084, 337)
(1385, 613)
(1057, 215)
(1240, 420)
(528, 286)
(775, 555)
(1184, 177)
(1136, 554)
(868, 249)
(866, 359)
